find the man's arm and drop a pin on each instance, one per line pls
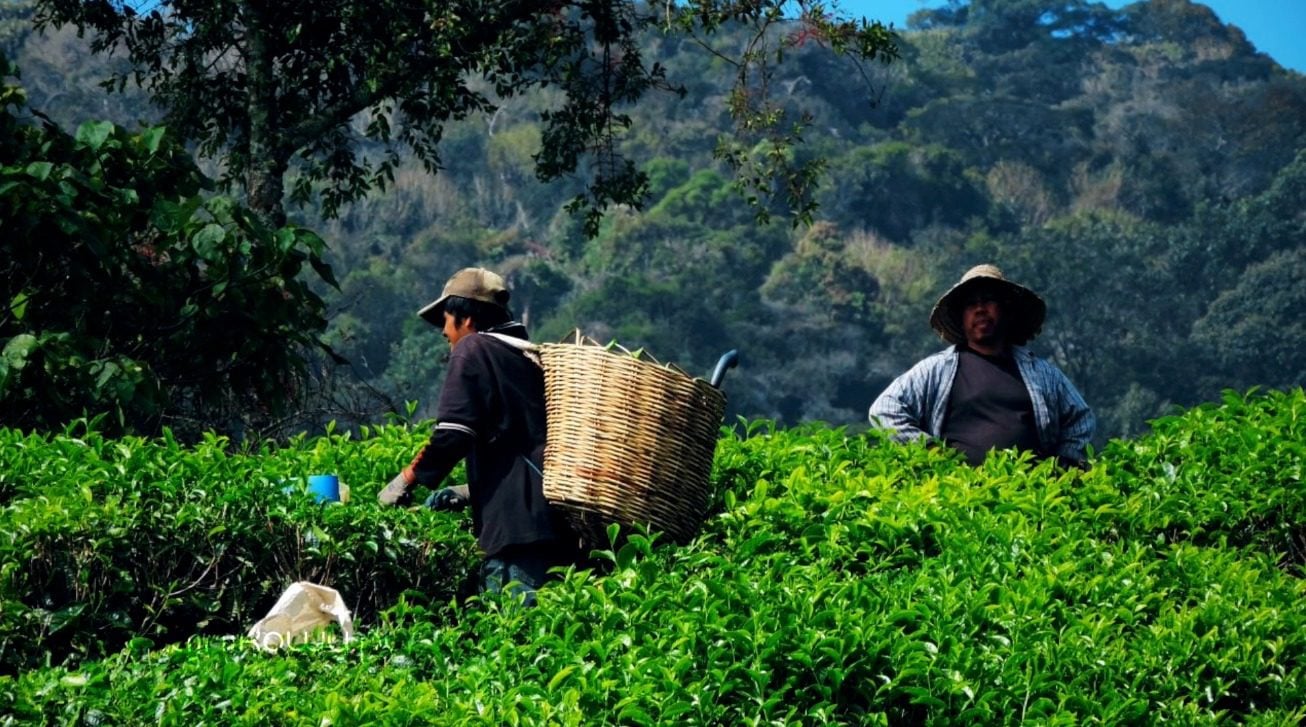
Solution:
(902, 409)
(448, 445)
(462, 411)
(1075, 421)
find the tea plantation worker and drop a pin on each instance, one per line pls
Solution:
(987, 391)
(491, 413)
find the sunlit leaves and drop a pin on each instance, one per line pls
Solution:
(131, 537)
(838, 580)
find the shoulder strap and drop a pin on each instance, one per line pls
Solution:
(532, 353)
(528, 349)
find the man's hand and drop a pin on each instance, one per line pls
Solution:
(1069, 463)
(399, 492)
(449, 498)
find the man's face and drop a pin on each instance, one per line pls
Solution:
(982, 321)
(455, 330)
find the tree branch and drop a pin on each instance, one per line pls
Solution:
(362, 98)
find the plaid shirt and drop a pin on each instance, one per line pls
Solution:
(916, 404)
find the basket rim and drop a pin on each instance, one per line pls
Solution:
(668, 371)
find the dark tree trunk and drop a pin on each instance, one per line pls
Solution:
(268, 158)
(265, 187)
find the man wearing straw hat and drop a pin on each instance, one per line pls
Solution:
(491, 413)
(987, 391)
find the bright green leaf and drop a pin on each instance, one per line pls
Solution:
(152, 137)
(40, 170)
(18, 306)
(207, 242)
(18, 349)
(93, 134)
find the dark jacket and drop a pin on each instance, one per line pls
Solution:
(491, 412)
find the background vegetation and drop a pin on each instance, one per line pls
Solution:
(130, 290)
(1143, 169)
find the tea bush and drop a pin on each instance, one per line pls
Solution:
(108, 540)
(1228, 475)
(839, 579)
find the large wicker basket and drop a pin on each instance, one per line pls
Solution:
(629, 441)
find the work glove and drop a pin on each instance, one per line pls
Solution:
(398, 492)
(449, 498)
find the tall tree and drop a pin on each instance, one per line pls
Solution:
(1254, 330)
(271, 86)
(126, 289)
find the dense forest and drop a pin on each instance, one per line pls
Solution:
(1144, 169)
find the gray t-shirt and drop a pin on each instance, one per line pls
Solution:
(989, 407)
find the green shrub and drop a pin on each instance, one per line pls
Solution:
(106, 540)
(1227, 475)
(839, 579)
(200, 312)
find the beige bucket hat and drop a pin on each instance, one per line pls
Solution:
(1024, 310)
(474, 283)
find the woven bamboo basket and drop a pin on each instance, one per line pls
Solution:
(629, 441)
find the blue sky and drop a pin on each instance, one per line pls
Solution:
(1275, 27)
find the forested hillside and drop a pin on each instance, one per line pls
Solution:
(1144, 169)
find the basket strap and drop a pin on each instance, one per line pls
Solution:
(532, 352)
(528, 349)
(530, 463)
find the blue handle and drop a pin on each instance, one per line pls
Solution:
(728, 361)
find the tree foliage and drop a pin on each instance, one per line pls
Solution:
(271, 86)
(127, 289)
(1255, 327)
(1141, 168)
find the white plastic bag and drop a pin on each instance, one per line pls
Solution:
(301, 611)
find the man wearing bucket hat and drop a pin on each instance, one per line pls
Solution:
(987, 391)
(491, 413)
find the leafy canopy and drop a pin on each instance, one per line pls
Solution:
(337, 86)
(125, 289)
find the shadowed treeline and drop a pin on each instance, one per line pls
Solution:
(1142, 169)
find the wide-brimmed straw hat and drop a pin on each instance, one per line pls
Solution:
(1023, 310)
(474, 283)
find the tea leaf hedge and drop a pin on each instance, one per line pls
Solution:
(109, 540)
(839, 579)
